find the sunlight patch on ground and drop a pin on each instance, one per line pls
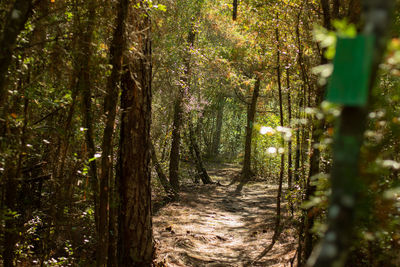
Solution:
(212, 226)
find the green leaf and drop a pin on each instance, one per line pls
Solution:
(161, 7)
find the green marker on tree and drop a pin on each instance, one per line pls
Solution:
(352, 69)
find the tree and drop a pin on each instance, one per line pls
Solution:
(15, 22)
(251, 111)
(178, 112)
(218, 126)
(235, 7)
(171, 193)
(345, 176)
(117, 49)
(135, 233)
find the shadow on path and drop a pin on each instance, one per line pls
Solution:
(212, 225)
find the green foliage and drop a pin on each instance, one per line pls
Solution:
(327, 39)
(43, 137)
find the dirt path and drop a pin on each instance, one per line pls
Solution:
(212, 226)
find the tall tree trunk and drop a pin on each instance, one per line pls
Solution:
(282, 168)
(112, 260)
(178, 114)
(13, 173)
(302, 143)
(14, 24)
(298, 182)
(316, 134)
(110, 104)
(325, 5)
(135, 240)
(277, 227)
(218, 127)
(10, 235)
(62, 183)
(251, 112)
(234, 11)
(176, 141)
(290, 165)
(199, 127)
(300, 63)
(346, 183)
(336, 9)
(84, 85)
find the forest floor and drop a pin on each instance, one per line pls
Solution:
(211, 225)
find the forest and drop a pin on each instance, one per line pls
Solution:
(199, 133)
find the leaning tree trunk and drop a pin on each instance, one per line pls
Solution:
(135, 235)
(202, 172)
(171, 193)
(110, 105)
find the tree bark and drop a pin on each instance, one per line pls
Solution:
(304, 79)
(176, 142)
(251, 112)
(282, 168)
(84, 85)
(135, 239)
(354, 11)
(112, 260)
(316, 134)
(110, 104)
(277, 227)
(290, 165)
(178, 114)
(12, 175)
(14, 23)
(325, 5)
(10, 236)
(336, 9)
(234, 11)
(218, 127)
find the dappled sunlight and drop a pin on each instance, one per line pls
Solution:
(210, 226)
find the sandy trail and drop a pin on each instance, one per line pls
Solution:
(212, 226)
